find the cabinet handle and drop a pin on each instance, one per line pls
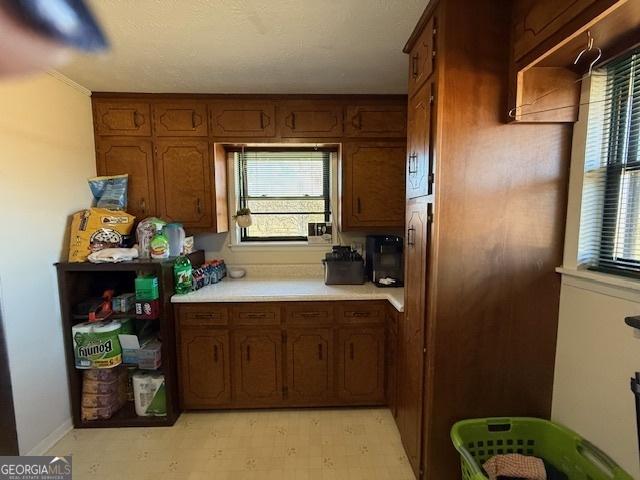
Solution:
(361, 314)
(410, 239)
(319, 351)
(193, 119)
(138, 119)
(351, 352)
(413, 160)
(198, 206)
(414, 65)
(205, 316)
(359, 205)
(215, 353)
(261, 120)
(143, 205)
(293, 121)
(248, 353)
(357, 121)
(256, 315)
(310, 314)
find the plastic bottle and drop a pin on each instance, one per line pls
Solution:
(182, 274)
(159, 245)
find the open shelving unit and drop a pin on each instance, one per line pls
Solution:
(80, 281)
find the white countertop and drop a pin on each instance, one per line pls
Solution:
(269, 289)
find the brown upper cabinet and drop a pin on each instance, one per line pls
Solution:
(122, 118)
(117, 156)
(184, 172)
(243, 118)
(376, 121)
(536, 20)
(419, 165)
(422, 58)
(372, 186)
(187, 119)
(310, 119)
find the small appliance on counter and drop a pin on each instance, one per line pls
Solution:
(343, 266)
(384, 264)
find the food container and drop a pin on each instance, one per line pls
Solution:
(147, 309)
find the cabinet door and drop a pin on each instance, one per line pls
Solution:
(412, 330)
(372, 185)
(183, 171)
(133, 157)
(537, 20)
(204, 368)
(376, 121)
(361, 365)
(258, 367)
(420, 156)
(310, 119)
(310, 365)
(422, 57)
(188, 119)
(243, 119)
(122, 118)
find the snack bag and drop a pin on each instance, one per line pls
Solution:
(110, 192)
(95, 229)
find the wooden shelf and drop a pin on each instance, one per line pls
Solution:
(79, 281)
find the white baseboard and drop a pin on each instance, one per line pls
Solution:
(50, 440)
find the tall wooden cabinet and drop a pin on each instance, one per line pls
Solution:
(485, 218)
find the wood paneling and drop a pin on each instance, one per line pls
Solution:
(116, 156)
(185, 119)
(204, 374)
(257, 367)
(376, 121)
(361, 364)
(184, 181)
(122, 118)
(373, 175)
(243, 119)
(310, 365)
(310, 119)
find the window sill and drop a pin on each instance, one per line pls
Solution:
(278, 246)
(604, 283)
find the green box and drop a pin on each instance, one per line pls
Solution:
(147, 288)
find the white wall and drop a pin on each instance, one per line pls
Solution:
(46, 155)
(596, 353)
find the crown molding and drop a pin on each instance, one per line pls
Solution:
(64, 79)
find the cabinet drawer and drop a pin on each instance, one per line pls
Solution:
(203, 315)
(362, 312)
(122, 118)
(255, 314)
(309, 313)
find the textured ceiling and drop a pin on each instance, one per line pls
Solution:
(251, 46)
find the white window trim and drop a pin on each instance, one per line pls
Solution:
(571, 271)
(234, 232)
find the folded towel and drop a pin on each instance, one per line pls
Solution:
(514, 465)
(113, 255)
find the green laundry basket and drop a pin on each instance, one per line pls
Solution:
(480, 439)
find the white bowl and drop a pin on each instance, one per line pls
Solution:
(237, 272)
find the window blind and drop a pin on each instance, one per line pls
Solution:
(610, 216)
(285, 190)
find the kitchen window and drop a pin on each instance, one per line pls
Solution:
(285, 189)
(610, 213)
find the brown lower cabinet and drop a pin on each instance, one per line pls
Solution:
(258, 355)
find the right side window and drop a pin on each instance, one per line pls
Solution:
(610, 214)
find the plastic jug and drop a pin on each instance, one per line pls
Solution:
(175, 234)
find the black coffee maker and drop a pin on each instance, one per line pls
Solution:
(384, 265)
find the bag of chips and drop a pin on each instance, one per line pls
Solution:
(110, 192)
